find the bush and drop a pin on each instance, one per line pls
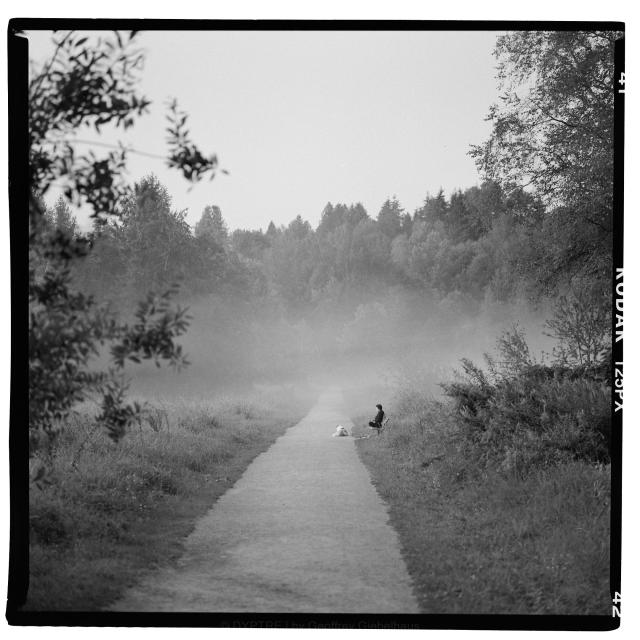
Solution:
(581, 324)
(521, 414)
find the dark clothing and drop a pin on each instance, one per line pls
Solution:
(377, 421)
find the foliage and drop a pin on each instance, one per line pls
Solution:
(83, 86)
(212, 225)
(86, 84)
(290, 262)
(333, 217)
(67, 328)
(553, 132)
(390, 218)
(479, 242)
(522, 415)
(581, 326)
(184, 155)
(156, 240)
(60, 217)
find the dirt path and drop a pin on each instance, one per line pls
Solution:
(303, 530)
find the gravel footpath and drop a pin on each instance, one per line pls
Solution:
(303, 530)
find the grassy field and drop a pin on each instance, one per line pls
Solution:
(109, 512)
(481, 541)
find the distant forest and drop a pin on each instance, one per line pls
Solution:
(382, 286)
(477, 243)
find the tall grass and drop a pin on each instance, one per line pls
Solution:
(106, 512)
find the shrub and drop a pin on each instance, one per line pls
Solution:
(581, 324)
(522, 414)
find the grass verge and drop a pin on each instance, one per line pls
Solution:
(110, 512)
(482, 541)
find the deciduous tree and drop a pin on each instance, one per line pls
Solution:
(90, 83)
(552, 132)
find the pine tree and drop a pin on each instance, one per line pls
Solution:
(433, 210)
(272, 230)
(390, 218)
(212, 224)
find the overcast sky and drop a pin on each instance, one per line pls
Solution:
(303, 118)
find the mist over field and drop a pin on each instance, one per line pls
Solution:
(372, 344)
(354, 299)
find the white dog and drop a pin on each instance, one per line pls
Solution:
(340, 432)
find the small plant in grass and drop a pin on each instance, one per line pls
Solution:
(155, 417)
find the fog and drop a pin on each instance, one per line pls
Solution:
(362, 301)
(368, 348)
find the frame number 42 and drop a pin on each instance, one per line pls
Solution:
(617, 601)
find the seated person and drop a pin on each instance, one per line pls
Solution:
(376, 423)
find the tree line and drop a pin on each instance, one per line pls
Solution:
(478, 242)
